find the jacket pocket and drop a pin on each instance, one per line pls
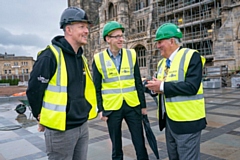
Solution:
(78, 108)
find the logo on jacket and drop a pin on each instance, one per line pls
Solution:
(42, 79)
(172, 75)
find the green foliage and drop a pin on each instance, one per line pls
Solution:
(10, 81)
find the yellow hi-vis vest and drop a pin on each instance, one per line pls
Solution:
(116, 86)
(53, 112)
(182, 108)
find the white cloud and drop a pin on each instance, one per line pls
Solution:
(28, 26)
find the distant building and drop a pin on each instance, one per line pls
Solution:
(15, 67)
(210, 26)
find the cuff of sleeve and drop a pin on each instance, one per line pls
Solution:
(162, 86)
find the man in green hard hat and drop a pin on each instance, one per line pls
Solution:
(119, 91)
(180, 94)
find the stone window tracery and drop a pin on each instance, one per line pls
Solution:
(141, 55)
(141, 26)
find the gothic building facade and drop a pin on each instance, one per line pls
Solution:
(210, 26)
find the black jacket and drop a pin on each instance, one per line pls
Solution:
(97, 78)
(45, 67)
(189, 87)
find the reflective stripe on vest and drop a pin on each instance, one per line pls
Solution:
(116, 91)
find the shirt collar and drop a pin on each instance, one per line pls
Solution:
(173, 54)
(111, 55)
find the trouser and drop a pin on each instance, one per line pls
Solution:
(67, 145)
(133, 119)
(182, 146)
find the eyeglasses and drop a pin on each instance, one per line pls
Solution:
(117, 36)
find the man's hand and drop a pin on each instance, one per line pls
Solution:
(144, 111)
(154, 85)
(103, 118)
(41, 128)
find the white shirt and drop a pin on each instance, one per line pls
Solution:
(171, 59)
(162, 84)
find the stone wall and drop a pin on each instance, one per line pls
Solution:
(226, 43)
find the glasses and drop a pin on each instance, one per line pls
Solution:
(117, 37)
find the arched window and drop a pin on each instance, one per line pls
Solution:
(141, 55)
(110, 11)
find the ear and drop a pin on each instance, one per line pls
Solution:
(107, 39)
(68, 29)
(172, 41)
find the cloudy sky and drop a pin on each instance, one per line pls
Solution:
(28, 26)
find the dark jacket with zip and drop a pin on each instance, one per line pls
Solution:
(45, 67)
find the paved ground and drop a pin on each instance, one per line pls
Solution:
(220, 140)
(10, 90)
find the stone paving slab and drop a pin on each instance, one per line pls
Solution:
(220, 140)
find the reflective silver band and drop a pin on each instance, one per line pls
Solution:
(130, 61)
(59, 65)
(104, 70)
(114, 79)
(57, 88)
(54, 107)
(116, 91)
(181, 66)
(185, 98)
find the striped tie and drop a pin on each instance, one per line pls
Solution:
(166, 68)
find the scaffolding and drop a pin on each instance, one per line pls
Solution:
(197, 19)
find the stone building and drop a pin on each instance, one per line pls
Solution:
(210, 26)
(15, 67)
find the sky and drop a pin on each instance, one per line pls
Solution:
(28, 26)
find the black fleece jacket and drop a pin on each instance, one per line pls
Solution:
(77, 107)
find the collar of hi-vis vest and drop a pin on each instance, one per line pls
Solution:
(103, 62)
(181, 65)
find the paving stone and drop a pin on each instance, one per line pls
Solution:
(220, 139)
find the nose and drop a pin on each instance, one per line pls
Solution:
(87, 30)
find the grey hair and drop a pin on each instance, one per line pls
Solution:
(178, 41)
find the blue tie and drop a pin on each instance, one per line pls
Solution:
(168, 63)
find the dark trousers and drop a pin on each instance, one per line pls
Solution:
(133, 118)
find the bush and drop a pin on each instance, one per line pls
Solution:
(10, 81)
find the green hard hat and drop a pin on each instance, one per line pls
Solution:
(110, 26)
(168, 30)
